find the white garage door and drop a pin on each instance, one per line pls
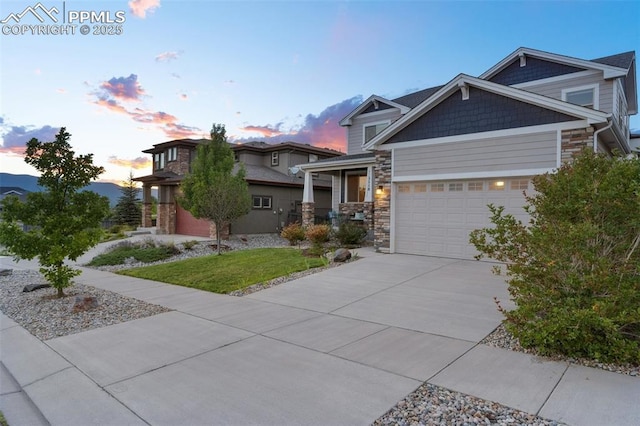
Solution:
(435, 218)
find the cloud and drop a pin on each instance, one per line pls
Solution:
(124, 88)
(167, 56)
(61, 90)
(135, 163)
(174, 75)
(322, 130)
(140, 8)
(15, 138)
(183, 96)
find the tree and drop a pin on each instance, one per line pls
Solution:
(574, 270)
(62, 221)
(128, 210)
(211, 190)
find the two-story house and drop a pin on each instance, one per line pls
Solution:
(274, 184)
(423, 167)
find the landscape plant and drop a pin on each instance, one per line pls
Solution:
(146, 251)
(318, 235)
(574, 270)
(294, 233)
(350, 234)
(212, 190)
(62, 222)
(128, 211)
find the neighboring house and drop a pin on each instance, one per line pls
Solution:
(6, 191)
(276, 188)
(423, 167)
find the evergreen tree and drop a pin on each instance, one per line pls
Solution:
(128, 211)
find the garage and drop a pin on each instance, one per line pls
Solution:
(435, 218)
(186, 224)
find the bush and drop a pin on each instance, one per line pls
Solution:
(188, 245)
(146, 251)
(294, 233)
(350, 234)
(574, 270)
(318, 234)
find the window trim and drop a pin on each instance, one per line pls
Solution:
(371, 124)
(159, 162)
(275, 158)
(596, 93)
(262, 205)
(174, 157)
(362, 173)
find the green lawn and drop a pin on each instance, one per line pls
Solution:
(231, 271)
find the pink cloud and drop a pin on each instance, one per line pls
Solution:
(135, 163)
(140, 8)
(265, 131)
(167, 56)
(124, 88)
(15, 138)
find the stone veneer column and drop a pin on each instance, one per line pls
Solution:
(382, 203)
(147, 222)
(224, 234)
(308, 214)
(166, 217)
(574, 141)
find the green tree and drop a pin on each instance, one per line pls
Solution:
(128, 211)
(574, 270)
(62, 221)
(212, 191)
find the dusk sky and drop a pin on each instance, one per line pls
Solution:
(267, 70)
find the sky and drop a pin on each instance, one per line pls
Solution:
(273, 71)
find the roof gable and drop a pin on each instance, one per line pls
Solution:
(535, 69)
(524, 54)
(483, 109)
(372, 104)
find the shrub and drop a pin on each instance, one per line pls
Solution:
(350, 234)
(294, 233)
(188, 245)
(318, 234)
(145, 251)
(574, 270)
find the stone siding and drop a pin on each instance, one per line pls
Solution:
(573, 141)
(382, 203)
(166, 222)
(348, 210)
(308, 214)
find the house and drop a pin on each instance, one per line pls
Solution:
(276, 188)
(6, 191)
(422, 168)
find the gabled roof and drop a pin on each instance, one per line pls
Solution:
(8, 190)
(462, 81)
(340, 163)
(260, 146)
(372, 100)
(416, 98)
(604, 65)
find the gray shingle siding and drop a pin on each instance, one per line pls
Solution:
(536, 69)
(482, 112)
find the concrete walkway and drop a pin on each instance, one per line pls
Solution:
(339, 347)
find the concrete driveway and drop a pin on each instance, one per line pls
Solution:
(338, 347)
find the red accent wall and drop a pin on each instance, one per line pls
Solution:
(186, 224)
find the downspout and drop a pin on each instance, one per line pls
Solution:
(597, 132)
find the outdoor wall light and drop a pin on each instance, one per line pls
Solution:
(380, 190)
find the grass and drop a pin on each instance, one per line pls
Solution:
(231, 271)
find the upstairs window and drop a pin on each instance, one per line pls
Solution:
(172, 154)
(313, 158)
(371, 130)
(275, 158)
(586, 96)
(158, 161)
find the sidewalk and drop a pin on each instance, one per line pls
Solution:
(338, 347)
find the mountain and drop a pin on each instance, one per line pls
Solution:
(30, 183)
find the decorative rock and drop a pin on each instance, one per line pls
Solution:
(84, 303)
(5, 272)
(32, 287)
(341, 255)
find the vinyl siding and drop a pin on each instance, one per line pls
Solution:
(532, 151)
(554, 90)
(355, 133)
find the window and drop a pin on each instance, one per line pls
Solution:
(313, 158)
(172, 154)
(437, 187)
(371, 130)
(520, 184)
(476, 186)
(275, 158)
(420, 187)
(158, 161)
(496, 185)
(261, 202)
(356, 188)
(586, 96)
(404, 188)
(455, 187)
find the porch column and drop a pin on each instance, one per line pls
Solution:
(308, 205)
(146, 206)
